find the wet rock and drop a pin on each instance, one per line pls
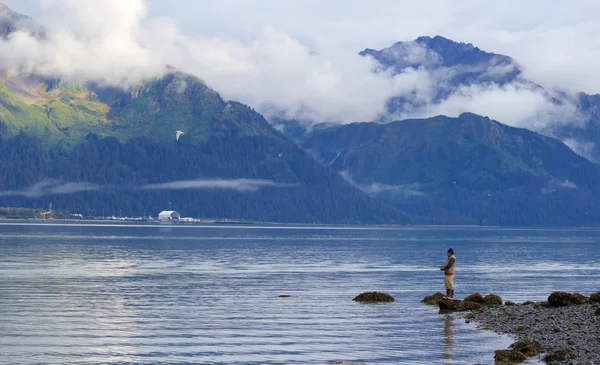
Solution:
(285, 296)
(562, 299)
(458, 305)
(529, 348)
(433, 299)
(509, 303)
(595, 298)
(559, 355)
(529, 302)
(374, 297)
(476, 298)
(509, 356)
(450, 305)
(468, 306)
(492, 299)
(598, 311)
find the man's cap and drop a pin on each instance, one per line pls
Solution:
(451, 251)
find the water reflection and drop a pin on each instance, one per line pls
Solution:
(448, 336)
(98, 295)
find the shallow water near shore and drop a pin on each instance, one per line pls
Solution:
(110, 294)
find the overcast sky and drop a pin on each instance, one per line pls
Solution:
(300, 55)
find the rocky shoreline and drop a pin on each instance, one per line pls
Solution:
(563, 330)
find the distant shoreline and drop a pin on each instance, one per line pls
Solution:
(232, 223)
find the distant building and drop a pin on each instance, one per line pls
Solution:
(168, 215)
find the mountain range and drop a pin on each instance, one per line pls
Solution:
(455, 65)
(90, 148)
(468, 169)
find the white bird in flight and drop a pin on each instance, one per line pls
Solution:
(178, 134)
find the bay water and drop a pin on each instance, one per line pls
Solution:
(176, 294)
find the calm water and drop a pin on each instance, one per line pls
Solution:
(209, 295)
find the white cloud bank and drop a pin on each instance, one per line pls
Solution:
(249, 185)
(265, 54)
(51, 187)
(57, 187)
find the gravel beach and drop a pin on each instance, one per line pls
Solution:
(567, 334)
(563, 330)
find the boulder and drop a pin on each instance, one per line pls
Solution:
(509, 303)
(560, 355)
(458, 305)
(529, 302)
(468, 306)
(476, 298)
(598, 311)
(450, 305)
(561, 299)
(509, 356)
(595, 298)
(528, 348)
(433, 299)
(492, 299)
(372, 297)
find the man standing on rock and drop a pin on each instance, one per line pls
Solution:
(448, 270)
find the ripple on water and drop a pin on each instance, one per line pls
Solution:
(108, 294)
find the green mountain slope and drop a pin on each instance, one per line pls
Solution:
(468, 169)
(95, 149)
(178, 101)
(62, 113)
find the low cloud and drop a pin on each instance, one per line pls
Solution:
(555, 185)
(405, 190)
(249, 185)
(262, 54)
(51, 187)
(514, 104)
(57, 187)
(583, 149)
(115, 43)
(93, 41)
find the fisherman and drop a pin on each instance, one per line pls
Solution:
(448, 270)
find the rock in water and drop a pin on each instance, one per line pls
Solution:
(374, 297)
(476, 298)
(450, 305)
(433, 299)
(562, 299)
(560, 355)
(458, 305)
(509, 356)
(492, 299)
(469, 306)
